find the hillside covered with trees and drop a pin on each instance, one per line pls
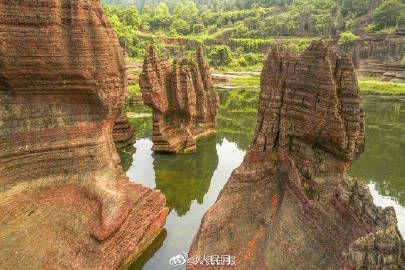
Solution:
(238, 32)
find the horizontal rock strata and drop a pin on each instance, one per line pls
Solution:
(183, 99)
(65, 203)
(291, 204)
(381, 55)
(123, 132)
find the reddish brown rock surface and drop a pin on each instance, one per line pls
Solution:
(65, 203)
(183, 99)
(291, 204)
(123, 132)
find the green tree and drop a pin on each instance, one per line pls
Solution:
(147, 11)
(208, 17)
(242, 62)
(251, 59)
(388, 14)
(190, 11)
(360, 7)
(162, 18)
(221, 56)
(180, 26)
(116, 25)
(132, 18)
(240, 31)
(178, 10)
(198, 28)
(347, 40)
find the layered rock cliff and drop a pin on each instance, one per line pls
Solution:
(291, 204)
(381, 55)
(65, 203)
(183, 99)
(123, 132)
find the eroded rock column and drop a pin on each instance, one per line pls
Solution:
(183, 99)
(65, 203)
(291, 204)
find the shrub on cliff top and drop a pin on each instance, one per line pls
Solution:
(347, 40)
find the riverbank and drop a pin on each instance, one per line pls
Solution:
(368, 86)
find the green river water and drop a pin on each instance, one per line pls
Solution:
(192, 182)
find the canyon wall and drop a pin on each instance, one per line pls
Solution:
(183, 99)
(65, 203)
(291, 204)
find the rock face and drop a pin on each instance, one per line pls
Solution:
(381, 55)
(65, 203)
(183, 99)
(123, 132)
(291, 204)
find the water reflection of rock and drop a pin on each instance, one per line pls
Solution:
(125, 155)
(184, 178)
(383, 160)
(237, 116)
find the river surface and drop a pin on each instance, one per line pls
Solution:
(192, 182)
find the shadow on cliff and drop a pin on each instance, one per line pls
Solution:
(186, 177)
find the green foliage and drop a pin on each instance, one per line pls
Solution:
(180, 26)
(244, 27)
(388, 14)
(240, 31)
(147, 11)
(347, 40)
(382, 87)
(198, 28)
(162, 18)
(221, 56)
(131, 17)
(355, 7)
(251, 45)
(190, 11)
(251, 81)
(242, 62)
(252, 59)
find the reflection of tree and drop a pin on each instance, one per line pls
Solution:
(384, 157)
(143, 126)
(183, 178)
(149, 252)
(126, 157)
(237, 116)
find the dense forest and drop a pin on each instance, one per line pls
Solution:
(236, 33)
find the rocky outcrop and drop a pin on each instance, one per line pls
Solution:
(65, 203)
(291, 204)
(381, 55)
(183, 99)
(123, 132)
